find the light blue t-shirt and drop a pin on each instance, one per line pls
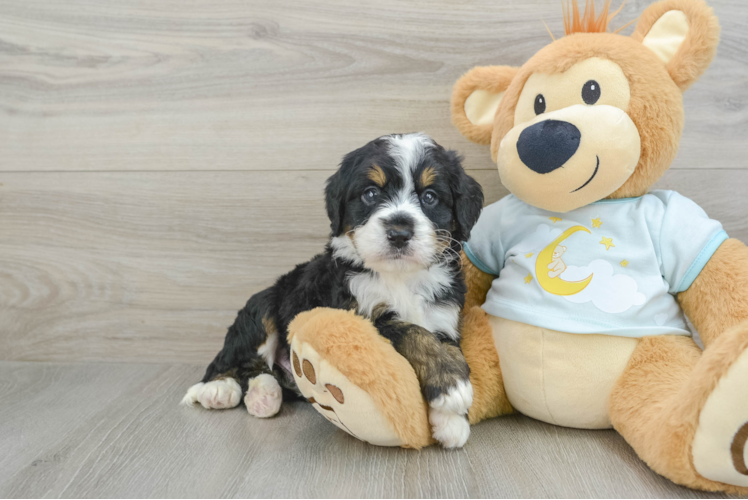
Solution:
(612, 267)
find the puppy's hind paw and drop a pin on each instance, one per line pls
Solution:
(214, 395)
(190, 398)
(450, 429)
(264, 396)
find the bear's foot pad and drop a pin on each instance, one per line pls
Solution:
(720, 451)
(338, 399)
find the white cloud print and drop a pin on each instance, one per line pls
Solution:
(611, 293)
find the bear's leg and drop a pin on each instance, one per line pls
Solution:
(354, 377)
(686, 413)
(479, 349)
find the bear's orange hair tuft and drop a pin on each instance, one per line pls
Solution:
(575, 22)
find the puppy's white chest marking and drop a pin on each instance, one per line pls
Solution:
(410, 296)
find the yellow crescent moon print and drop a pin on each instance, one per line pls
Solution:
(556, 285)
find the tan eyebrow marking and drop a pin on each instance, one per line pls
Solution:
(376, 174)
(428, 176)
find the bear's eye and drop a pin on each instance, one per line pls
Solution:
(591, 92)
(539, 104)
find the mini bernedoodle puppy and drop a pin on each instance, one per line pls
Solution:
(399, 208)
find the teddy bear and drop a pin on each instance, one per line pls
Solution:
(579, 133)
(557, 265)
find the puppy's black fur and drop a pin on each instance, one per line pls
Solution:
(324, 281)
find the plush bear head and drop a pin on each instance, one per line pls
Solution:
(593, 114)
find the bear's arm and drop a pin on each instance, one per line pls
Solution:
(478, 283)
(718, 298)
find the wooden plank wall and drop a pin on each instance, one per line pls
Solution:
(161, 161)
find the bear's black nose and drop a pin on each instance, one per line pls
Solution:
(547, 145)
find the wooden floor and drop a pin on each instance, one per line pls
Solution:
(115, 430)
(162, 160)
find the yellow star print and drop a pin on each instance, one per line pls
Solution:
(555, 219)
(597, 222)
(528, 278)
(608, 242)
(624, 263)
(528, 255)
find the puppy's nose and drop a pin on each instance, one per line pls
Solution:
(547, 145)
(399, 236)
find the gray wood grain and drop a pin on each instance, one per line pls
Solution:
(285, 84)
(115, 430)
(152, 266)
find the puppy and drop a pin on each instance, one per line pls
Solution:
(399, 208)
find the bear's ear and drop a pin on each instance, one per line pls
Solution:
(475, 99)
(683, 33)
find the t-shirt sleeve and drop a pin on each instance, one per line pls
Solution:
(484, 248)
(688, 239)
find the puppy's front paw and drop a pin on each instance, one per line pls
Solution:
(457, 399)
(214, 395)
(264, 396)
(448, 415)
(450, 429)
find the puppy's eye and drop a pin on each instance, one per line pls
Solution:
(539, 104)
(591, 92)
(370, 195)
(429, 198)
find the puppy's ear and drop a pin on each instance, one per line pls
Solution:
(476, 97)
(683, 33)
(335, 201)
(468, 198)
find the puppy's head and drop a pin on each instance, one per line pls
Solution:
(401, 203)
